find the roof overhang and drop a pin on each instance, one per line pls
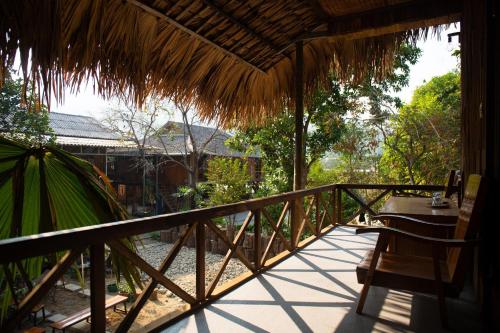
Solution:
(92, 142)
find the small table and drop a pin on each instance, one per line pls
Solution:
(419, 208)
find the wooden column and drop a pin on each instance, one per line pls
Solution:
(339, 205)
(97, 288)
(256, 240)
(299, 144)
(333, 202)
(317, 214)
(200, 261)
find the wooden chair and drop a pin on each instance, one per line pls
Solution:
(449, 187)
(425, 274)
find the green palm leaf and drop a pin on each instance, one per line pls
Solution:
(46, 189)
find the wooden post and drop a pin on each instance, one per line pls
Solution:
(200, 261)
(299, 144)
(97, 288)
(339, 205)
(318, 215)
(333, 202)
(257, 253)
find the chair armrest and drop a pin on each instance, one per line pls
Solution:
(402, 218)
(423, 239)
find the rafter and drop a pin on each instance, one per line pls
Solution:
(220, 10)
(397, 18)
(192, 33)
(386, 20)
(392, 19)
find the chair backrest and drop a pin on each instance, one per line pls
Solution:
(449, 184)
(467, 225)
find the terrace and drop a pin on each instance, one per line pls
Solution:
(241, 58)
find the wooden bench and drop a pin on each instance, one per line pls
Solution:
(86, 313)
(35, 329)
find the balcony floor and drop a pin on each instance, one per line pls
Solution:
(316, 291)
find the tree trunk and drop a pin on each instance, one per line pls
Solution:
(193, 177)
(410, 173)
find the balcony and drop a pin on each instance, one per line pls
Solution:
(310, 286)
(315, 290)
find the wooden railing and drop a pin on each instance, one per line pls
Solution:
(320, 209)
(374, 196)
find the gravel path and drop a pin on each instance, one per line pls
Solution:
(182, 271)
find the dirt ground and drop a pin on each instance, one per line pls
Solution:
(67, 302)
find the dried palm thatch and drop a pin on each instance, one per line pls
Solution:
(233, 58)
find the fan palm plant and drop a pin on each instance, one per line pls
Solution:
(45, 189)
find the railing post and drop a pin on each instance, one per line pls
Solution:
(295, 221)
(257, 253)
(339, 205)
(97, 288)
(318, 215)
(333, 203)
(200, 261)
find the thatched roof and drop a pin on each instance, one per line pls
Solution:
(234, 58)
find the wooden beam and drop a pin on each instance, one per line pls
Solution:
(298, 166)
(229, 244)
(127, 322)
(236, 242)
(97, 288)
(156, 275)
(392, 19)
(200, 261)
(386, 20)
(192, 33)
(299, 117)
(14, 249)
(220, 10)
(257, 253)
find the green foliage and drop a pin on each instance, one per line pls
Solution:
(23, 121)
(198, 195)
(319, 176)
(423, 139)
(275, 141)
(358, 155)
(326, 128)
(229, 179)
(45, 189)
(380, 92)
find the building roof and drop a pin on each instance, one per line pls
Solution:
(209, 140)
(79, 126)
(235, 60)
(76, 130)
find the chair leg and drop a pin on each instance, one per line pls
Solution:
(439, 288)
(381, 244)
(362, 297)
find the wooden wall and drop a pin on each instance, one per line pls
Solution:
(480, 39)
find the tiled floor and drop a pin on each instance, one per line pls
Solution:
(316, 291)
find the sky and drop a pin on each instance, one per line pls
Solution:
(436, 59)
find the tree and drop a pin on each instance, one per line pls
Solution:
(324, 119)
(194, 147)
(137, 124)
(229, 180)
(423, 139)
(275, 141)
(142, 126)
(22, 119)
(357, 153)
